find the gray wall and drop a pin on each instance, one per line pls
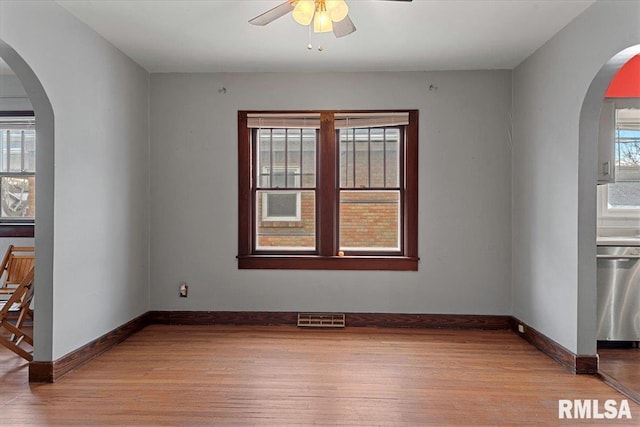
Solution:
(465, 193)
(553, 212)
(12, 94)
(16, 241)
(97, 270)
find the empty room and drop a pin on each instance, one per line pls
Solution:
(320, 212)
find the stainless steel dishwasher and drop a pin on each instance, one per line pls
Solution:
(618, 293)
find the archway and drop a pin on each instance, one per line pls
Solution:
(43, 323)
(587, 171)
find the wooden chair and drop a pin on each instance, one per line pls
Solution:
(17, 261)
(20, 303)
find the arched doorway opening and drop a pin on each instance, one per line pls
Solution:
(587, 217)
(43, 322)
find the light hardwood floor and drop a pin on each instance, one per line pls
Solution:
(226, 375)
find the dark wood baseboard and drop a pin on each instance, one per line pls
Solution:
(575, 363)
(223, 317)
(53, 371)
(382, 320)
(445, 321)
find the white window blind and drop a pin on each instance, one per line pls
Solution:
(17, 123)
(312, 121)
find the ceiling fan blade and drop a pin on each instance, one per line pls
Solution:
(273, 14)
(344, 27)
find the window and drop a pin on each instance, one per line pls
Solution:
(17, 170)
(625, 193)
(328, 190)
(620, 201)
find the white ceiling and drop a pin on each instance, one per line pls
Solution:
(214, 35)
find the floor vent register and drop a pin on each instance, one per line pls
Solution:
(321, 320)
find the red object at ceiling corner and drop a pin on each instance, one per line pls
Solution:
(626, 82)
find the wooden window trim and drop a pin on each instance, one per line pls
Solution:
(326, 213)
(13, 229)
(316, 262)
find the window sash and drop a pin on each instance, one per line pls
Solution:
(353, 198)
(15, 203)
(264, 182)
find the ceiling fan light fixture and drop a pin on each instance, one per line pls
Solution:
(322, 22)
(304, 11)
(338, 9)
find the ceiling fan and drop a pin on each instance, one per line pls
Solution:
(325, 15)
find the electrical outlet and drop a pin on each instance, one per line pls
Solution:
(184, 290)
(521, 329)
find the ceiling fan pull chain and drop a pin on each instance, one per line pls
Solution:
(319, 39)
